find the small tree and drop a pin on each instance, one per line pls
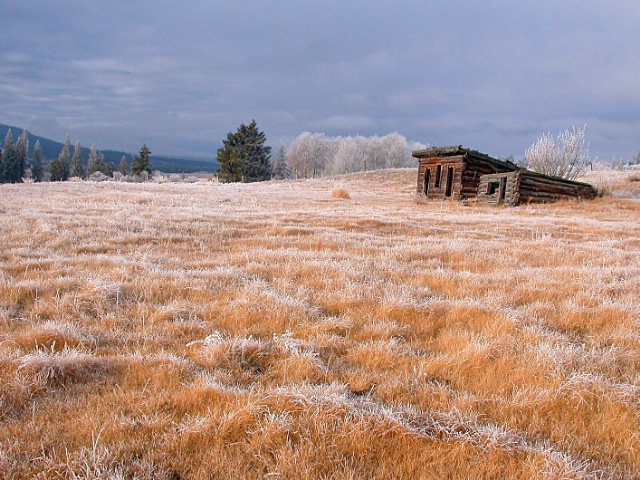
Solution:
(142, 163)
(77, 169)
(92, 164)
(281, 169)
(565, 156)
(55, 170)
(8, 159)
(244, 156)
(63, 167)
(22, 156)
(123, 167)
(37, 172)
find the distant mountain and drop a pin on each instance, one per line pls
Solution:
(51, 149)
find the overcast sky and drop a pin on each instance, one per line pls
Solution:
(179, 75)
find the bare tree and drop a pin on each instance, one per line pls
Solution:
(566, 155)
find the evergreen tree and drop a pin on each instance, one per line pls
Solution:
(141, 162)
(123, 167)
(22, 156)
(5, 158)
(55, 170)
(37, 173)
(95, 162)
(109, 167)
(244, 157)
(64, 159)
(77, 169)
(9, 161)
(281, 169)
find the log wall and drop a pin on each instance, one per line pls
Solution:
(492, 196)
(537, 188)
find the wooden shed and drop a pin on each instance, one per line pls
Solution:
(458, 173)
(454, 172)
(525, 186)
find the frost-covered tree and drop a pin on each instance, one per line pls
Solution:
(60, 168)
(123, 167)
(77, 169)
(141, 162)
(37, 171)
(244, 156)
(315, 154)
(566, 155)
(349, 156)
(281, 170)
(109, 168)
(22, 156)
(9, 160)
(308, 154)
(95, 162)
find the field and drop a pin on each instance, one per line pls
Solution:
(328, 328)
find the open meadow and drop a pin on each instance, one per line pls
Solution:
(329, 328)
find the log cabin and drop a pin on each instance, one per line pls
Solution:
(458, 173)
(454, 172)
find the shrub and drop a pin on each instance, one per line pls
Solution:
(340, 193)
(564, 156)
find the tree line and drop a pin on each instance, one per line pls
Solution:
(16, 165)
(245, 158)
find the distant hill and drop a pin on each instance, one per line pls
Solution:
(51, 149)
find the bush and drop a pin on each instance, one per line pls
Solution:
(564, 156)
(340, 193)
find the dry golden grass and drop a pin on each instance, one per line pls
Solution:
(265, 331)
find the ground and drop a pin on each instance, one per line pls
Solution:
(328, 328)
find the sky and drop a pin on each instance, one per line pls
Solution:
(491, 75)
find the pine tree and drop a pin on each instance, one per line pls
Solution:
(93, 164)
(64, 159)
(37, 173)
(9, 160)
(123, 167)
(281, 169)
(22, 156)
(244, 157)
(142, 163)
(77, 169)
(109, 167)
(55, 170)
(5, 159)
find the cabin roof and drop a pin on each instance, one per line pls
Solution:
(456, 150)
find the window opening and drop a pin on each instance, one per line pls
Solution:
(438, 175)
(492, 188)
(449, 188)
(427, 179)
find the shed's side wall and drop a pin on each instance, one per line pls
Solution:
(536, 188)
(438, 192)
(474, 169)
(511, 190)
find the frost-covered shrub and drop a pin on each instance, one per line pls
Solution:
(566, 155)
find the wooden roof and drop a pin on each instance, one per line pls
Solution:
(456, 150)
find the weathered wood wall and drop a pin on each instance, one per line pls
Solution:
(511, 189)
(473, 172)
(475, 168)
(467, 172)
(537, 188)
(439, 192)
